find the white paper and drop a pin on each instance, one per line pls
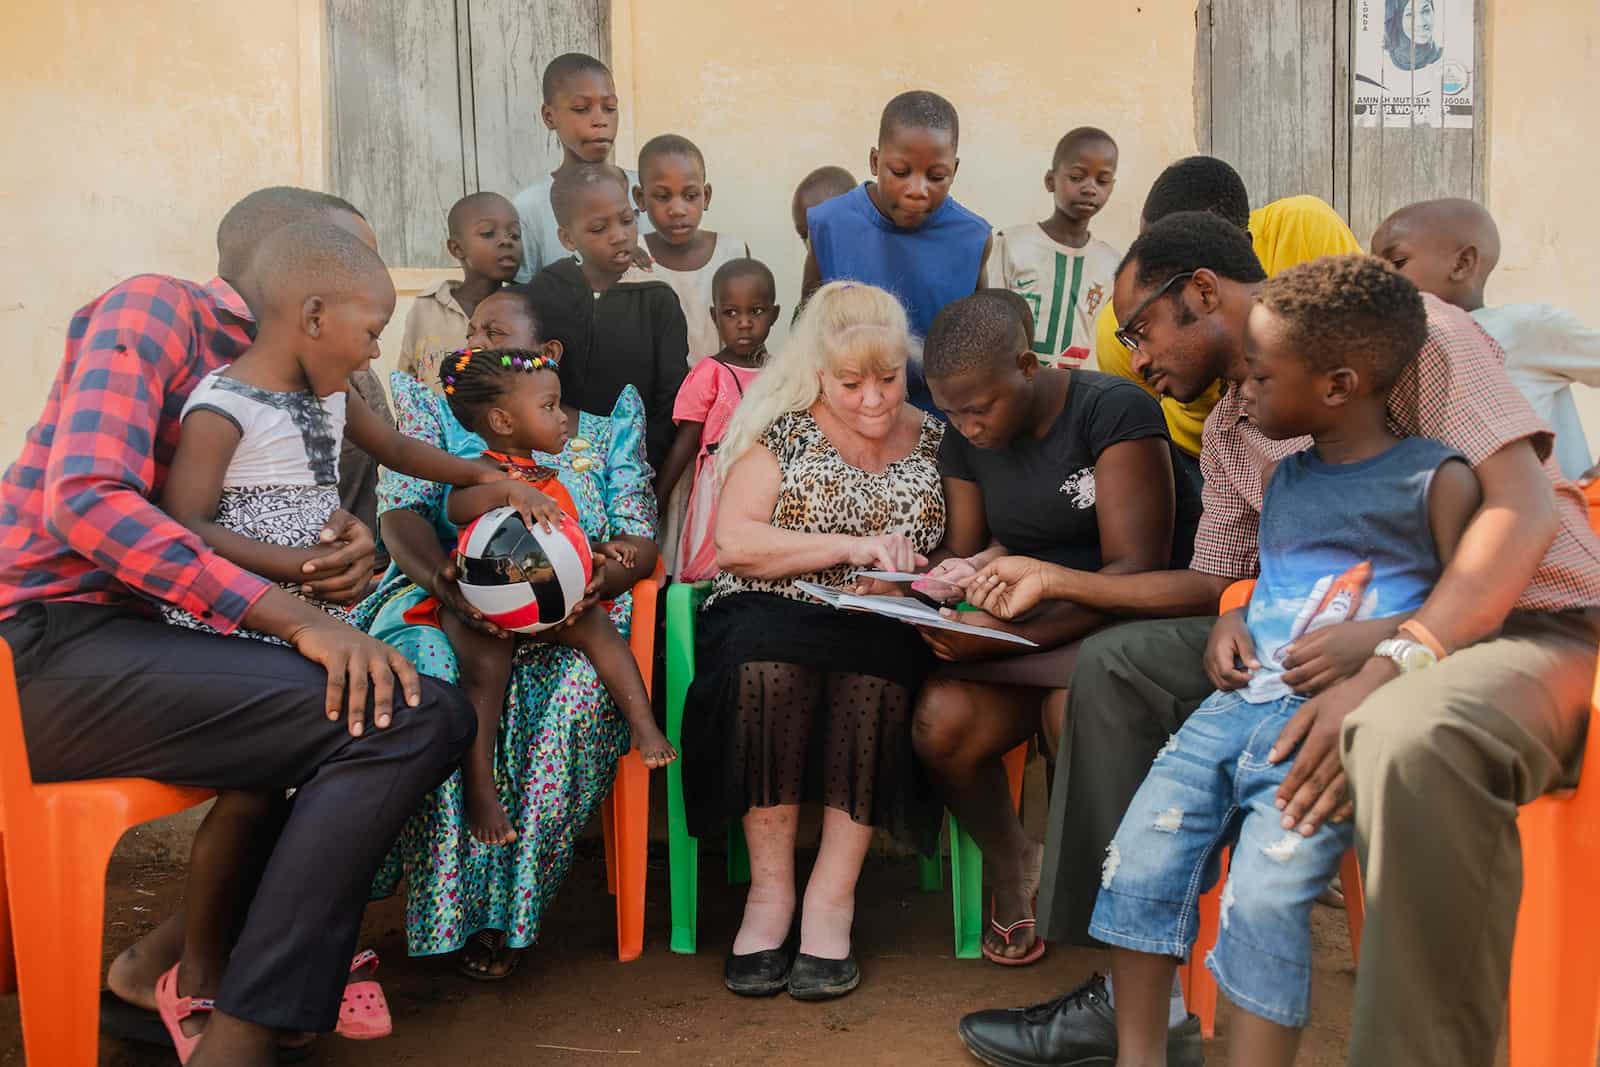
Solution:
(890, 576)
(1414, 63)
(907, 610)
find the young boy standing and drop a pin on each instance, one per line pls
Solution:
(580, 106)
(1449, 248)
(617, 325)
(1359, 525)
(674, 195)
(902, 231)
(822, 184)
(1062, 270)
(485, 237)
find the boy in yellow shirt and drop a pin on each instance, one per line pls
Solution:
(1285, 233)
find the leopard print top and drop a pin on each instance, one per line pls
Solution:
(820, 493)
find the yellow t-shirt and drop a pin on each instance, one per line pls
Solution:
(1286, 233)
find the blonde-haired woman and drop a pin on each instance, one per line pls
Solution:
(828, 470)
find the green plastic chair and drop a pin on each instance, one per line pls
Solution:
(966, 861)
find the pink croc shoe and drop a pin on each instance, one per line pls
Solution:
(363, 1012)
(173, 1009)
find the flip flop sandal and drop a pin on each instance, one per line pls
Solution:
(1033, 955)
(363, 1011)
(174, 1008)
(492, 942)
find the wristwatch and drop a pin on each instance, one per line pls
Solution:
(1407, 654)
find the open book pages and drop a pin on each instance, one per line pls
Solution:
(906, 610)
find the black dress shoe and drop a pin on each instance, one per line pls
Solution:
(814, 978)
(1075, 1030)
(759, 974)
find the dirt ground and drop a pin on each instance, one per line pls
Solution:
(571, 1002)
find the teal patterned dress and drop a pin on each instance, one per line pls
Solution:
(560, 734)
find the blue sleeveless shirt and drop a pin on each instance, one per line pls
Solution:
(1341, 541)
(926, 268)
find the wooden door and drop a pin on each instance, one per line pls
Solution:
(1273, 98)
(434, 99)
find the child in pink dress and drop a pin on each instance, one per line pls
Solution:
(744, 296)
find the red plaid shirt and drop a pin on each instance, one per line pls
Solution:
(76, 518)
(1456, 391)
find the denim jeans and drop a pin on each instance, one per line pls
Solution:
(1211, 788)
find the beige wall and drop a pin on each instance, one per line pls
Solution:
(1544, 155)
(131, 129)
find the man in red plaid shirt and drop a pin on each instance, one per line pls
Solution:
(1475, 705)
(108, 690)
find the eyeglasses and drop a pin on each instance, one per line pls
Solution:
(1124, 334)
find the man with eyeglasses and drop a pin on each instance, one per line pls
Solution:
(1473, 706)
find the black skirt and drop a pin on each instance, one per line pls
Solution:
(797, 703)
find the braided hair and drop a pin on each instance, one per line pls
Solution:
(475, 378)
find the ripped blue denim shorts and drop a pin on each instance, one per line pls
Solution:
(1212, 788)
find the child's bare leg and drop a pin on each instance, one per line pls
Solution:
(219, 890)
(595, 636)
(485, 664)
(1255, 1040)
(1143, 985)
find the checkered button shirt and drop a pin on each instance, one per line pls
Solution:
(77, 520)
(1456, 391)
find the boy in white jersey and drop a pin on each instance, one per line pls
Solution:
(1056, 265)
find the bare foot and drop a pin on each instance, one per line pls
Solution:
(653, 746)
(486, 816)
(132, 975)
(1014, 900)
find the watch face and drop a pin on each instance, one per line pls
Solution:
(1415, 658)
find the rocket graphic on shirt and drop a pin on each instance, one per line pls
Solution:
(1333, 599)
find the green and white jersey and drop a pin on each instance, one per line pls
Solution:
(1065, 286)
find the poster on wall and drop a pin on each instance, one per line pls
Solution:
(1414, 63)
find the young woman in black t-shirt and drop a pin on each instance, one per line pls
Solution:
(1074, 467)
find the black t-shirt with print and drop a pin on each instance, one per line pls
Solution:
(1039, 494)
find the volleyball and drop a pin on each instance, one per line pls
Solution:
(523, 580)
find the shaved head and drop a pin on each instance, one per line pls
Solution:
(313, 258)
(258, 215)
(1446, 247)
(822, 184)
(475, 206)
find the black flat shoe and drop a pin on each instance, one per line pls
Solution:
(1078, 1029)
(759, 974)
(814, 978)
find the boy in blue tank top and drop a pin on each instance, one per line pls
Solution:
(1359, 525)
(902, 231)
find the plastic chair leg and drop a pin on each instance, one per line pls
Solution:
(58, 955)
(1555, 963)
(628, 820)
(683, 857)
(1355, 901)
(738, 856)
(683, 851)
(8, 963)
(966, 867)
(1199, 987)
(966, 891)
(608, 832)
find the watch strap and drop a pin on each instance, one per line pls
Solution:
(1423, 636)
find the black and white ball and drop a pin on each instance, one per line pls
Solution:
(523, 580)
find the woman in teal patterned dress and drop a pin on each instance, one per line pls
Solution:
(560, 735)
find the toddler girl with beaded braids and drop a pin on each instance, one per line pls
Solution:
(511, 397)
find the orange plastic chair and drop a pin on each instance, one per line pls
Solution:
(1199, 987)
(626, 815)
(58, 840)
(1555, 960)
